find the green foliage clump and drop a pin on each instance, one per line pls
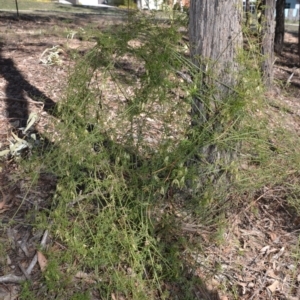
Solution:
(117, 186)
(111, 179)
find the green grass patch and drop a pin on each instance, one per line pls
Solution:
(51, 6)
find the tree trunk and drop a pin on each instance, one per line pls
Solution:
(248, 13)
(267, 41)
(215, 39)
(17, 8)
(139, 4)
(216, 36)
(279, 29)
(299, 39)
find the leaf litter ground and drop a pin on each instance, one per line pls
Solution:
(254, 260)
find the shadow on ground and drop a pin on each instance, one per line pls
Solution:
(17, 92)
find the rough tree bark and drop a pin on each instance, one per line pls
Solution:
(267, 41)
(279, 28)
(215, 39)
(299, 40)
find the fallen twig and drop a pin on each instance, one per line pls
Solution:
(185, 76)
(35, 258)
(83, 197)
(11, 278)
(27, 276)
(32, 264)
(28, 100)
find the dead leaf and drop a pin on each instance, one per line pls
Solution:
(84, 276)
(276, 256)
(273, 236)
(264, 249)
(271, 274)
(248, 278)
(272, 251)
(2, 204)
(81, 275)
(3, 210)
(43, 262)
(113, 297)
(273, 286)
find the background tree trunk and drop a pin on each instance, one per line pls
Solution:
(267, 41)
(248, 13)
(279, 28)
(139, 4)
(299, 40)
(215, 39)
(17, 9)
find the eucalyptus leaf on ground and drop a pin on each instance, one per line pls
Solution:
(4, 153)
(33, 117)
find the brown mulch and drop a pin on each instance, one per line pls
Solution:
(255, 259)
(256, 254)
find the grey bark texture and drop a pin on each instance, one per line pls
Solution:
(299, 40)
(267, 41)
(279, 28)
(215, 40)
(216, 36)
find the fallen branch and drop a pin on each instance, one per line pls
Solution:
(83, 197)
(35, 258)
(28, 100)
(185, 77)
(27, 276)
(11, 278)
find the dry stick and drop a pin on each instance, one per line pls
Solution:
(27, 276)
(11, 278)
(23, 246)
(22, 100)
(83, 197)
(35, 258)
(17, 279)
